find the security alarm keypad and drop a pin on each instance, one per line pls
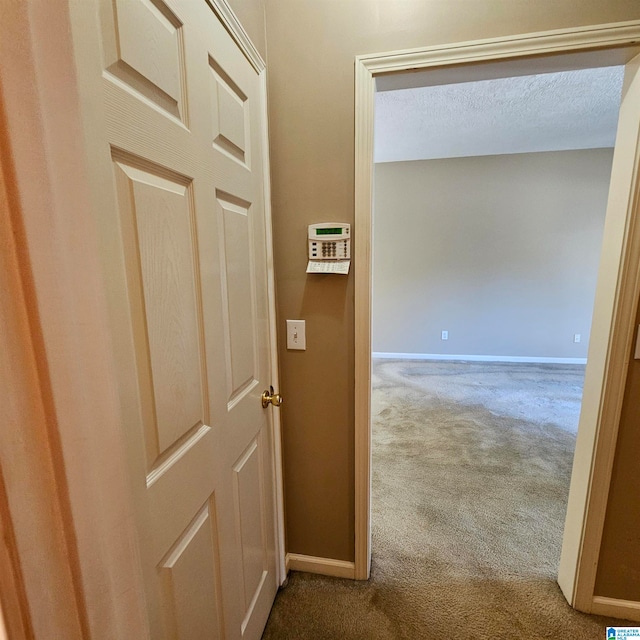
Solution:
(329, 242)
(329, 247)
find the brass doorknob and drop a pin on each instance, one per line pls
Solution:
(269, 397)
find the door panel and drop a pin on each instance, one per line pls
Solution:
(180, 148)
(160, 218)
(249, 518)
(252, 530)
(190, 577)
(230, 115)
(238, 297)
(144, 50)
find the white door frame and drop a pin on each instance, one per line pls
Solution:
(67, 461)
(614, 315)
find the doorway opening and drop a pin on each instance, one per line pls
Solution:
(489, 207)
(616, 293)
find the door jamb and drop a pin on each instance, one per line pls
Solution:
(22, 409)
(57, 345)
(609, 346)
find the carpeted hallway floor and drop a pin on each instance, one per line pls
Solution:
(471, 468)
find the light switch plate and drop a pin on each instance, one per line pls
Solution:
(296, 335)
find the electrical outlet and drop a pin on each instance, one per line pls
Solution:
(296, 335)
(576, 337)
(445, 335)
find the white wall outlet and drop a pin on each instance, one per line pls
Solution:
(445, 335)
(296, 335)
(576, 337)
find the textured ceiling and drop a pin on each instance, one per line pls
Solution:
(546, 112)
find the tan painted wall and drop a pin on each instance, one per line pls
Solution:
(312, 45)
(251, 16)
(500, 251)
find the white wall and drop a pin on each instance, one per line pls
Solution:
(501, 251)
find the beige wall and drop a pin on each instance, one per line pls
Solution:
(251, 14)
(501, 251)
(312, 45)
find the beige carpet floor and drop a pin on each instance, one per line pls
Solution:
(471, 469)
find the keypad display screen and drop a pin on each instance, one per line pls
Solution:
(329, 232)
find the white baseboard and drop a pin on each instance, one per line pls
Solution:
(625, 609)
(323, 566)
(475, 358)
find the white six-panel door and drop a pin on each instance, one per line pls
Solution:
(175, 150)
